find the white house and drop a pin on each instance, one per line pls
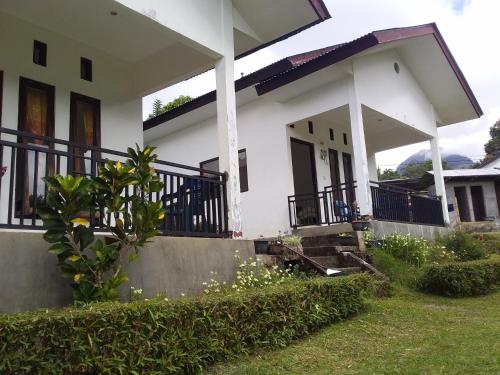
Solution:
(73, 73)
(493, 162)
(309, 127)
(472, 194)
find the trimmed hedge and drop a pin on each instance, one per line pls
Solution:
(462, 279)
(158, 337)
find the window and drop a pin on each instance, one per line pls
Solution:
(345, 139)
(39, 53)
(36, 116)
(86, 69)
(311, 127)
(332, 136)
(213, 165)
(84, 129)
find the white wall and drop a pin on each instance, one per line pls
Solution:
(396, 95)
(121, 112)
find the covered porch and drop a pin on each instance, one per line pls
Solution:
(334, 173)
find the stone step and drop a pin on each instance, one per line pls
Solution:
(329, 240)
(327, 261)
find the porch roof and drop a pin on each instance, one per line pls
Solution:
(151, 35)
(293, 68)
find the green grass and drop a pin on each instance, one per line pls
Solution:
(409, 333)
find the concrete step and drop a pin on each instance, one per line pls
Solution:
(323, 230)
(352, 249)
(333, 240)
(327, 261)
(317, 251)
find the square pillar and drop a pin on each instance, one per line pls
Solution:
(226, 120)
(362, 174)
(437, 167)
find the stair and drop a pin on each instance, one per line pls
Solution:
(327, 261)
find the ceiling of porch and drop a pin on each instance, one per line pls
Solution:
(381, 131)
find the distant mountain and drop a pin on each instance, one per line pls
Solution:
(454, 161)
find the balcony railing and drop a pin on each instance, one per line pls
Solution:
(336, 204)
(194, 199)
(407, 206)
(333, 205)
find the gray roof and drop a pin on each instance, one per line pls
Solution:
(461, 173)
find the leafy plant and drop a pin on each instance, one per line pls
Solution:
(412, 250)
(292, 241)
(249, 275)
(465, 246)
(462, 279)
(96, 266)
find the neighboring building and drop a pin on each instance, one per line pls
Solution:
(472, 194)
(309, 126)
(76, 71)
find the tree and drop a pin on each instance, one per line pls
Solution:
(158, 108)
(417, 170)
(387, 174)
(492, 147)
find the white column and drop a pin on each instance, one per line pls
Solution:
(362, 174)
(438, 177)
(226, 119)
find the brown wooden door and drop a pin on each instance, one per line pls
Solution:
(304, 182)
(85, 130)
(36, 116)
(349, 179)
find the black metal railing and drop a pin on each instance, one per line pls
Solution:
(336, 204)
(195, 200)
(404, 205)
(333, 205)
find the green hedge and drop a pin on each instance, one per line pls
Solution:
(158, 337)
(462, 279)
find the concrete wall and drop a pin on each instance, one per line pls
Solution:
(385, 228)
(30, 277)
(489, 192)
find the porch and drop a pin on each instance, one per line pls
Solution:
(195, 200)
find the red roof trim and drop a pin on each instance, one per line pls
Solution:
(320, 9)
(375, 38)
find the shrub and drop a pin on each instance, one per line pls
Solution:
(465, 246)
(462, 279)
(491, 241)
(412, 250)
(158, 337)
(96, 267)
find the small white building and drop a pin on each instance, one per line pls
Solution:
(472, 194)
(309, 127)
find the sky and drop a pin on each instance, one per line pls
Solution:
(469, 27)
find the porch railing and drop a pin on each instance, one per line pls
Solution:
(336, 204)
(195, 200)
(407, 206)
(333, 205)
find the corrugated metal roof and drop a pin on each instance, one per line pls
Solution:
(460, 173)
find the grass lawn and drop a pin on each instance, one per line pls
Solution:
(410, 333)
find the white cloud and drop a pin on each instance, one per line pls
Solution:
(468, 26)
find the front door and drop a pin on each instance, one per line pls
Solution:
(36, 116)
(478, 202)
(462, 203)
(349, 179)
(84, 131)
(304, 182)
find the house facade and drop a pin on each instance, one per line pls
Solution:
(473, 194)
(309, 127)
(73, 74)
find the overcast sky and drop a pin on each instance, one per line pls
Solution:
(470, 28)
